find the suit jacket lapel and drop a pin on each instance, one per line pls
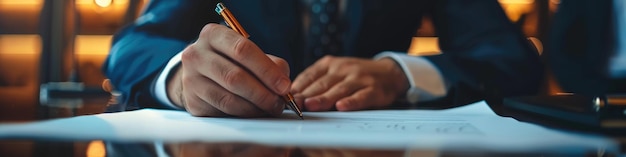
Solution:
(283, 16)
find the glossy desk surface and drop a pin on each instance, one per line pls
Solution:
(25, 107)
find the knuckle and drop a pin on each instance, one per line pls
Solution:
(233, 76)
(343, 90)
(282, 64)
(324, 85)
(310, 79)
(312, 74)
(368, 80)
(357, 73)
(265, 100)
(301, 81)
(268, 73)
(240, 47)
(326, 59)
(189, 54)
(222, 101)
(199, 108)
(351, 66)
(337, 75)
(208, 28)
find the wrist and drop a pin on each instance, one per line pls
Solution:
(425, 80)
(400, 84)
(175, 87)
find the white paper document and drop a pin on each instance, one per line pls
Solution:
(473, 126)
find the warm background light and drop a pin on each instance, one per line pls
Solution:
(91, 51)
(516, 1)
(20, 2)
(19, 16)
(96, 149)
(103, 3)
(516, 8)
(20, 44)
(424, 46)
(92, 44)
(101, 17)
(18, 59)
(426, 41)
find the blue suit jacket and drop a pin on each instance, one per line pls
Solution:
(484, 55)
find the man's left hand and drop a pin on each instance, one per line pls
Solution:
(348, 83)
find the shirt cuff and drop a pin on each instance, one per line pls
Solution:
(160, 87)
(424, 78)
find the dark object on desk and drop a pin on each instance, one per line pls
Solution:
(68, 90)
(580, 48)
(575, 111)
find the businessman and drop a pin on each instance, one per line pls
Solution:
(341, 54)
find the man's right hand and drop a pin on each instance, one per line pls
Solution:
(225, 74)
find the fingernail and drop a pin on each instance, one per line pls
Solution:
(282, 85)
(342, 106)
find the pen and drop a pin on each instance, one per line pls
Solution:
(234, 24)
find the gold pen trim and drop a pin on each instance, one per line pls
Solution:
(234, 24)
(292, 104)
(230, 19)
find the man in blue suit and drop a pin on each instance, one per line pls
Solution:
(175, 56)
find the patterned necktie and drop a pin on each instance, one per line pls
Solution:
(324, 35)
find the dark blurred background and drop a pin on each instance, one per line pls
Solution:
(43, 41)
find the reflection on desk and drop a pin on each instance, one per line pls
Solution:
(190, 149)
(258, 150)
(21, 104)
(472, 128)
(249, 149)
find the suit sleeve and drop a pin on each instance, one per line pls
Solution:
(484, 54)
(140, 50)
